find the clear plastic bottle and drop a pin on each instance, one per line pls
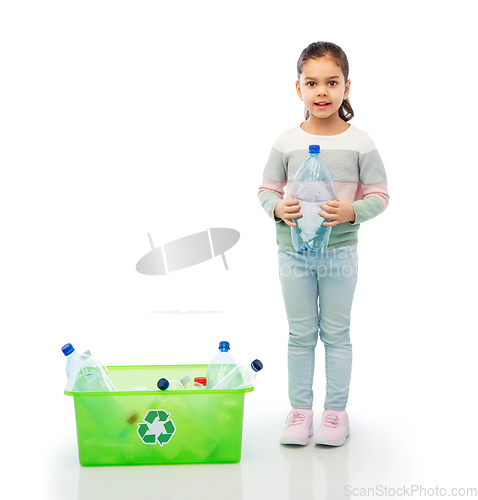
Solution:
(97, 361)
(313, 184)
(169, 385)
(190, 385)
(84, 373)
(220, 365)
(242, 377)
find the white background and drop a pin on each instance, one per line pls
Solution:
(122, 118)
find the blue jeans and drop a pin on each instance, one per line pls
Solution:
(328, 278)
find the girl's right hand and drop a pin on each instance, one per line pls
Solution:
(285, 210)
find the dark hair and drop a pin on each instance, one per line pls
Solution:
(328, 49)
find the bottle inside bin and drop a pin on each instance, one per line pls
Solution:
(242, 377)
(222, 364)
(190, 385)
(169, 385)
(84, 373)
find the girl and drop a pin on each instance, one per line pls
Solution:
(328, 278)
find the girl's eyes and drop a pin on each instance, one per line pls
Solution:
(331, 83)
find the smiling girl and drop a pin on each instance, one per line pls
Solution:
(318, 288)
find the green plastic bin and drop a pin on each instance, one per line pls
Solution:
(140, 425)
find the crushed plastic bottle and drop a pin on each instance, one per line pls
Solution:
(84, 373)
(220, 365)
(190, 385)
(313, 184)
(242, 377)
(169, 385)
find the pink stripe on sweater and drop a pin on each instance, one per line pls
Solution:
(352, 191)
(275, 187)
(377, 190)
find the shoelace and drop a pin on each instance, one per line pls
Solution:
(331, 420)
(295, 418)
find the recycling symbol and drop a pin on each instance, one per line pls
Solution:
(156, 428)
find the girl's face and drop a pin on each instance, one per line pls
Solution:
(322, 88)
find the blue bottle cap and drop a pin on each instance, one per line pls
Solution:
(163, 384)
(314, 149)
(224, 345)
(67, 349)
(256, 365)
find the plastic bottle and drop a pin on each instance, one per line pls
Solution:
(97, 361)
(84, 373)
(190, 385)
(313, 184)
(169, 385)
(220, 365)
(242, 377)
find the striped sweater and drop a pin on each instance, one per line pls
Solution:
(355, 165)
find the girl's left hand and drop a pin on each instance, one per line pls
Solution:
(340, 211)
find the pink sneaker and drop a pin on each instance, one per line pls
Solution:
(299, 426)
(334, 428)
